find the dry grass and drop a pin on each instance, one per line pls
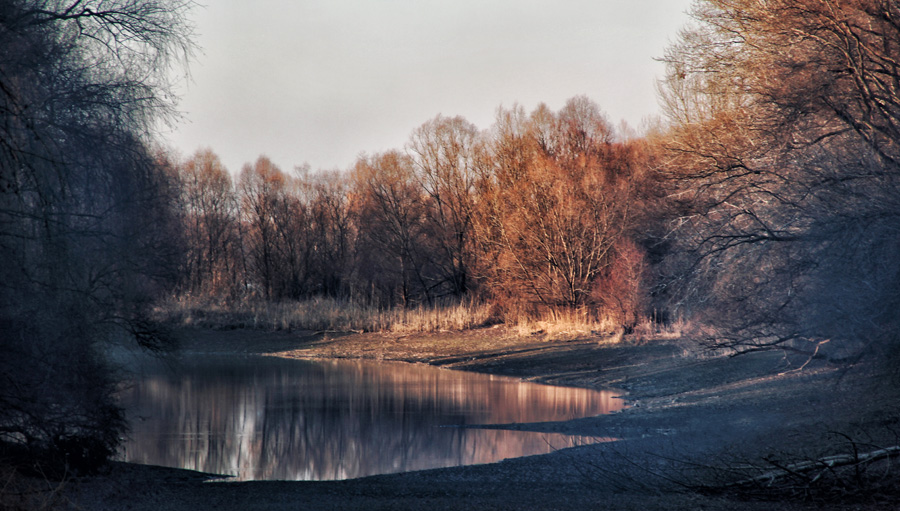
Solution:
(569, 325)
(330, 315)
(323, 314)
(565, 325)
(648, 330)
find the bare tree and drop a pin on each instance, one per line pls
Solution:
(445, 152)
(391, 214)
(333, 232)
(262, 190)
(210, 218)
(84, 209)
(785, 139)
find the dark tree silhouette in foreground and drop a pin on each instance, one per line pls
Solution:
(786, 139)
(85, 229)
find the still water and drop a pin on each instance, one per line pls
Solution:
(265, 418)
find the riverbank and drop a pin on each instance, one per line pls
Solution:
(693, 420)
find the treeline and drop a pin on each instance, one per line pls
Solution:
(542, 212)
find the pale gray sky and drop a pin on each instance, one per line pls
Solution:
(321, 81)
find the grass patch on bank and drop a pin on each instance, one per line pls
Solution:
(565, 325)
(323, 315)
(570, 325)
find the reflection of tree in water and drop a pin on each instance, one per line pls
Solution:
(276, 419)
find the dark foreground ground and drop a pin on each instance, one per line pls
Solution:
(695, 423)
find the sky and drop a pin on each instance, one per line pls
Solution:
(323, 81)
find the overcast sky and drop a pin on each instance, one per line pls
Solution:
(322, 81)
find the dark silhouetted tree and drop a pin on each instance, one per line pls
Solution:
(393, 245)
(85, 210)
(786, 143)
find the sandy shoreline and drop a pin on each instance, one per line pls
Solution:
(685, 411)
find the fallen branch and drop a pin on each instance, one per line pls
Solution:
(829, 462)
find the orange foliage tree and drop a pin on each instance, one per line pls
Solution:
(555, 208)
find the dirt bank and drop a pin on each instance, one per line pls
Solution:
(689, 413)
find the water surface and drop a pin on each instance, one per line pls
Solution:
(261, 418)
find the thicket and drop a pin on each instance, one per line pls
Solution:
(785, 145)
(765, 210)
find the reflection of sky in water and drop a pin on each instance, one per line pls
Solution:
(269, 418)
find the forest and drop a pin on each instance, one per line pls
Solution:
(544, 212)
(762, 211)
